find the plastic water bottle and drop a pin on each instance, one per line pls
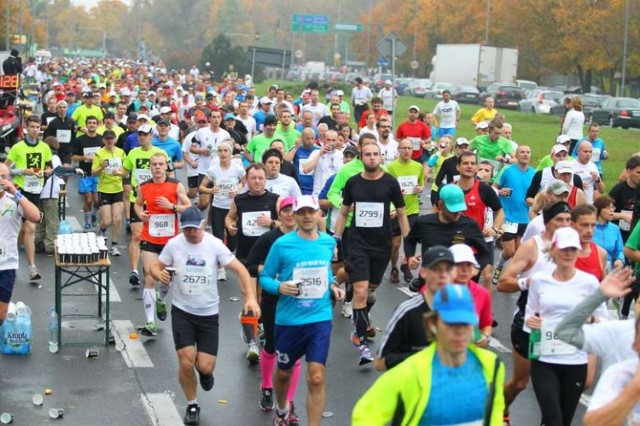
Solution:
(534, 343)
(53, 331)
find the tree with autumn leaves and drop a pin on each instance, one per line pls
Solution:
(579, 37)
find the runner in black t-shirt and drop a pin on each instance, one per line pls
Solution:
(625, 195)
(370, 194)
(405, 334)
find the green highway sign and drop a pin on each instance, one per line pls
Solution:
(309, 23)
(357, 28)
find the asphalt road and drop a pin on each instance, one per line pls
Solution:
(139, 386)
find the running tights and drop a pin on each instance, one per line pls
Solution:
(558, 388)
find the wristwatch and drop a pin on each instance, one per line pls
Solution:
(18, 196)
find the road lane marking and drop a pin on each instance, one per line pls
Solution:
(161, 409)
(497, 345)
(134, 353)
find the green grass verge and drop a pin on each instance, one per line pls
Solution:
(537, 131)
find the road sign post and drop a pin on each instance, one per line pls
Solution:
(392, 46)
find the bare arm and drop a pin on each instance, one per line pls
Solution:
(342, 220)
(521, 261)
(617, 411)
(403, 221)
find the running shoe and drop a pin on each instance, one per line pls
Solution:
(394, 276)
(206, 381)
(365, 355)
(94, 219)
(253, 354)
(192, 416)
(496, 275)
(114, 251)
(407, 275)
(506, 421)
(222, 274)
(266, 399)
(150, 329)
(87, 226)
(281, 420)
(347, 310)
(134, 278)
(161, 309)
(357, 342)
(294, 420)
(34, 274)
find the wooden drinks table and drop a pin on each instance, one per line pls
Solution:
(94, 273)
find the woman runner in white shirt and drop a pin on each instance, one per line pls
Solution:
(559, 375)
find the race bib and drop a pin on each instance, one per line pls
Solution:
(550, 344)
(143, 175)
(369, 215)
(416, 143)
(313, 282)
(407, 184)
(195, 280)
(624, 225)
(114, 164)
(250, 227)
(509, 227)
(226, 186)
(595, 155)
(33, 184)
(90, 151)
(162, 225)
(301, 164)
(63, 136)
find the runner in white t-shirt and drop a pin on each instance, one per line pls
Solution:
(283, 185)
(208, 138)
(193, 177)
(449, 112)
(195, 257)
(223, 181)
(588, 171)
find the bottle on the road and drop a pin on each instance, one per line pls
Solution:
(534, 342)
(53, 331)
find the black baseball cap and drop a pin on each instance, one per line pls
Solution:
(436, 254)
(109, 134)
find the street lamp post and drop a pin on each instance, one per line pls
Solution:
(624, 48)
(486, 28)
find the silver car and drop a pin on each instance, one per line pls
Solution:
(539, 101)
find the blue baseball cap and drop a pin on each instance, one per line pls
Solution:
(453, 198)
(229, 116)
(191, 218)
(454, 305)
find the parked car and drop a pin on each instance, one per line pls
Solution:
(541, 101)
(294, 75)
(350, 78)
(527, 84)
(436, 90)
(418, 87)
(505, 95)
(465, 94)
(402, 84)
(618, 112)
(377, 82)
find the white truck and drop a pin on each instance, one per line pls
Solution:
(474, 64)
(314, 68)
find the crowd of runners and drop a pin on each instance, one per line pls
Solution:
(315, 199)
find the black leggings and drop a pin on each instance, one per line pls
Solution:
(630, 298)
(558, 388)
(268, 318)
(216, 218)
